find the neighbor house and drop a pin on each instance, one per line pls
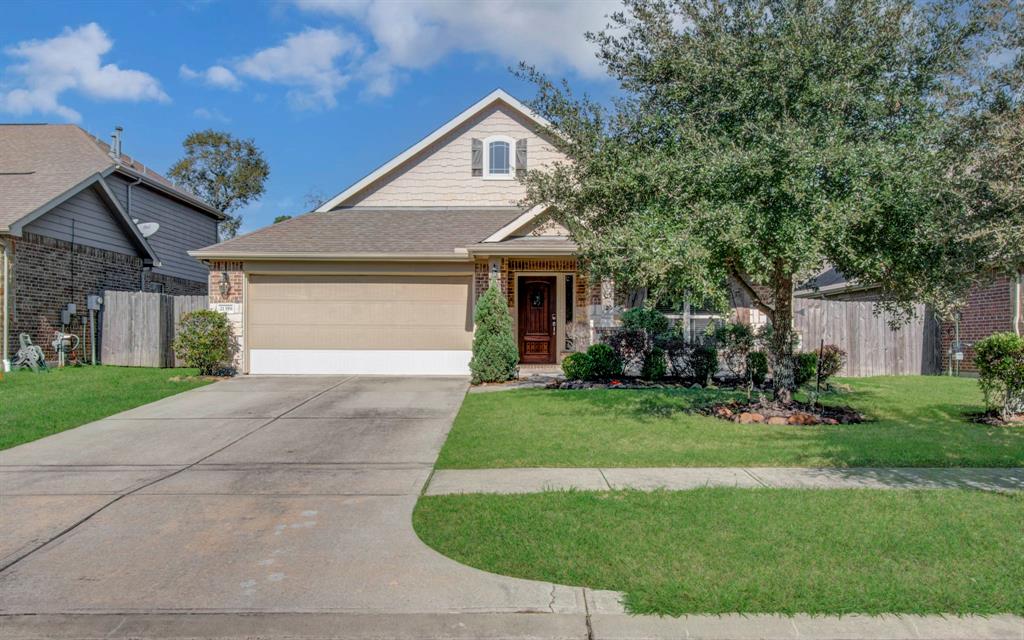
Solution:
(383, 277)
(78, 217)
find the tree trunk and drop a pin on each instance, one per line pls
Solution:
(781, 346)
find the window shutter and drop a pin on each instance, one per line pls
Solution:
(520, 157)
(477, 159)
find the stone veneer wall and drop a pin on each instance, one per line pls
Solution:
(231, 303)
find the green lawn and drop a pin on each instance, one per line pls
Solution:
(35, 405)
(750, 550)
(917, 421)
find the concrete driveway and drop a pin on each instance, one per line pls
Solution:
(250, 495)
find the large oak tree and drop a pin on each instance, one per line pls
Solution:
(754, 142)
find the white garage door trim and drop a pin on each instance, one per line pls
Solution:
(359, 361)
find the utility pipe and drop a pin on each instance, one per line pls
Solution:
(5, 252)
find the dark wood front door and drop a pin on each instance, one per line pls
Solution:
(537, 320)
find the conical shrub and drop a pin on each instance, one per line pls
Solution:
(495, 354)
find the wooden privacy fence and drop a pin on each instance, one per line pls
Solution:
(139, 327)
(872, 346)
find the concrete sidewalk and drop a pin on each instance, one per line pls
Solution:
(534, 480)
(509, 626)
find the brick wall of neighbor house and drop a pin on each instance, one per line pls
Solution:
(174, 286)
(231, 302)
(42, 285)
(988, 311)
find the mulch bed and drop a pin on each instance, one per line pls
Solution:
(795, 413)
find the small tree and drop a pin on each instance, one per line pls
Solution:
(495, 354)
(204, 340)
(224, 171)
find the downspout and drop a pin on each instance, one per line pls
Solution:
(5, 252)
(128, 209)
(1018, 293)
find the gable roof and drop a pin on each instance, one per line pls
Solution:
(498, 95)
(41, 165)
(368, 233)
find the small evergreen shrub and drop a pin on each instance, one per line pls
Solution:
(495, 353)
(757, 367)
(646, 319)
(704, 362)
(204, 340)
(735, 341)
(805, 368)
(655, 365)
(1000, 362)
(578, 366)
(604, 360)
(830, 361)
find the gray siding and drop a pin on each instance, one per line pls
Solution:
(182, 228)
(95, 224)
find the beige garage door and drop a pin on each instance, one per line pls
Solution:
(359, 324)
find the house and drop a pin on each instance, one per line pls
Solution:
(78, 217)
(993, 307)
(383, 277)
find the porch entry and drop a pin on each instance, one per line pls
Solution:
(538, 319)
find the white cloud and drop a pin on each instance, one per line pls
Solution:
(307, 62)
(210, 114)
(215, 76)
(71, 61)
(416, 35)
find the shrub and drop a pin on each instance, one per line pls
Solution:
(704, 362)
(495, 353)
(646, 319)
(805, 368)
(735, 341)
(631, 347)
(204, 340)
(604, 360)
(578, 366)
(830, 361)
(655, 366)
(1000, 362)
(757, 366)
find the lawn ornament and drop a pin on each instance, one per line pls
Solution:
(29, 356)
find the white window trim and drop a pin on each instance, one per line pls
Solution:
(511, 158)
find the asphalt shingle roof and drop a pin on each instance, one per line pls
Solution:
(39, 162)
(371, 231)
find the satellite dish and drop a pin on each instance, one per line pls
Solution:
(147, 228)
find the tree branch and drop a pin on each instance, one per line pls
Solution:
(755, 297)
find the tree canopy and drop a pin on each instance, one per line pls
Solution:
(754, 142)
(225, 171)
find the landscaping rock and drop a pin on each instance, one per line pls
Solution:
(724, 412)
(804, 419)
(750, 418)
(776, 420)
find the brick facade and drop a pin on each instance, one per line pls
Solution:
(230, 302)
(42, 285)
(989, 310)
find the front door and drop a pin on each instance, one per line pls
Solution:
(537, 322)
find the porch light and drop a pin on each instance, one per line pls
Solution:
(225, 284)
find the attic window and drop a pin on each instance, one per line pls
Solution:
(498, 161)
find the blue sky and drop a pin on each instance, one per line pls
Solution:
(329, 90)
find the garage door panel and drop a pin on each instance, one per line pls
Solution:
(360, 337)
(359, 288)
(311, 313)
